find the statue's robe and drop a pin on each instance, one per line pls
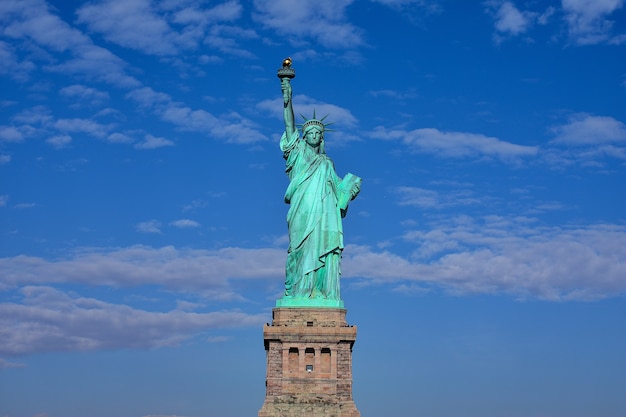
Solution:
(314, 221)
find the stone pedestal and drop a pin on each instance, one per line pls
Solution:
(309, 364)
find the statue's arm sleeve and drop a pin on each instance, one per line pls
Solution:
(288, 142)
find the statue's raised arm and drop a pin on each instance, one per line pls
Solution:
(318, 200)
(286, 73)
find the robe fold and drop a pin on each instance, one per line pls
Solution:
(314, 221)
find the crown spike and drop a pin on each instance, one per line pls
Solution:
(319, 123)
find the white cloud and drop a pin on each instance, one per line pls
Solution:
(5, 159)
(38, 115)
(77, 125)
(231, 127)
(185, 223)
(225, 38)
(11, 65)
(492, 255)
(323, 21)
(151, 226)
(304, 105)
(511, 20)
(11, 134)
(392, 94)
(84, 94)
(456, 144)
(427, 5)
(4, 364)
(584, 129)
(588, 21)
(97, 63)
(59, 141)
(195, 205)
(31, 20)
(226, 12)
(463, 256)
(47, 319)
(587, 140)
(152, 142)
(130, 23)
(160, 28)
(3, 200)
(423, 198)
(501, 255)
(118, 137)
(203, 271)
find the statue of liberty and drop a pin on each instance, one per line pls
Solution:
(318, 200)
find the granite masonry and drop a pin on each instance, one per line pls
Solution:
(309, 364)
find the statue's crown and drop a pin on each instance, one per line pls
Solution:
(319, 123)
(313, 122)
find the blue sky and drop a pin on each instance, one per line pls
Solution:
(143, 232)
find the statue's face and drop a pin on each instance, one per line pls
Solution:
(313, 137)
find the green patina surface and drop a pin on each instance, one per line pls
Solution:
(318, 200)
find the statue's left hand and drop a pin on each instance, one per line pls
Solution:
(356, 190)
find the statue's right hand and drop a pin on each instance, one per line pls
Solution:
(286, 88)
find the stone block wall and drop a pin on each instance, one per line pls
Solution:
(309, 364)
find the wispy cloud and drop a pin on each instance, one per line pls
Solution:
(47, 319)
(11, 65)
(321, 21)
(152, 142)
(588, 140)
(463, 255)
(11, 134)
(132, 24)
(160, 28)
(510, 21)
(205, 271)
(4, 364)
(82, 94)
(151, 226)
(88, 126)
(231, 127)
(396, 95)
(588, 21)
(501, 255)
(341, 118)
(583, 129)
(424, 198)
(33, 21)
(59, 141)
(185, 224)
(430, 6)
(456, 144)
(490, 254)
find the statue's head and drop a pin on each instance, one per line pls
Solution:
(313, 132)
(314, 136)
